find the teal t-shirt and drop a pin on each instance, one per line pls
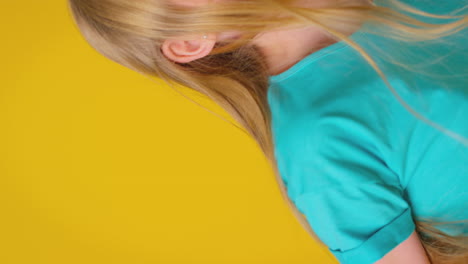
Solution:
(354, 160)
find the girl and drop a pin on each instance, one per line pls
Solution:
(360, 106)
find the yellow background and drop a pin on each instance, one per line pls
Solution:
(99, 164)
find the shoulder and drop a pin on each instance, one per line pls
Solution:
(350, 197)
(333, 165)
(431, 6)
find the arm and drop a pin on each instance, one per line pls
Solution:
(409, 251)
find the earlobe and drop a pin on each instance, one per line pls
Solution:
(184, 51)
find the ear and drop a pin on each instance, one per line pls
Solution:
(184, 51)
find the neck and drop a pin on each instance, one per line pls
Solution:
(284, 48)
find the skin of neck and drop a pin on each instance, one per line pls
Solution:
(284, 48)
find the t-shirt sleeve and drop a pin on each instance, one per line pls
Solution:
(350, 197)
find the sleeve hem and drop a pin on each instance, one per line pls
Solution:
(381, 242)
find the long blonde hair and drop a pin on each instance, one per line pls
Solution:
(235, 75)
